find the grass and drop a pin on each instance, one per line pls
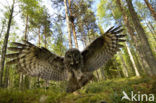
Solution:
(109, 91)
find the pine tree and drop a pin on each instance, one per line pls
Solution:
(5, 43)
(153, 12)
(144, 46)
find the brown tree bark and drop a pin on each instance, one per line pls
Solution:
(73, 25)
(144, 45)
(74, 34)
(153, 12)
(5, 43)
(68, 24)
(45, 34)
(26, 28)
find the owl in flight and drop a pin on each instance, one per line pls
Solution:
(75, 67)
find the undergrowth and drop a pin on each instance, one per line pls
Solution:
(109, 91)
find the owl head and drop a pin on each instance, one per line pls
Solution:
(73, 59)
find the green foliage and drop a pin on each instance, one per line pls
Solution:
(128, 62)
(101, 29)
(108, 91)
(107, 10)
(59, 39)
(85, 20)
(28, 6)
(102, 8)
(112, 68)
(111, 90)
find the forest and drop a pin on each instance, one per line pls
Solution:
(129, 76)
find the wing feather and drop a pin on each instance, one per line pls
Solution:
(34, 61)
(102, 49)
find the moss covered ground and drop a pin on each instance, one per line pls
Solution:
(109, 91)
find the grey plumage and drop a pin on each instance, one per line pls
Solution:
(76, 67)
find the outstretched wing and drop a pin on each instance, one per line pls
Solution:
(102, 49)
(34, 61)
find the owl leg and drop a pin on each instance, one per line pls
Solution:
(72, 85)
(85, 79)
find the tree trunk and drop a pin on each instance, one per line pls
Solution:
(145, 47)
(45, 40)
(26, 28)
(68, 25)
(25, 78)
(131, 32)
(124, 69)
(39, 37)
(132, 60)
(6, 79)
(153, 29)
(153, 13)
(149, 27)
(74, 34)
(5, 43)
(139, 64)
(73, 25)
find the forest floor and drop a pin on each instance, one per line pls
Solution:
(110, 91)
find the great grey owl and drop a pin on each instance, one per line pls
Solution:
(76, 67)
